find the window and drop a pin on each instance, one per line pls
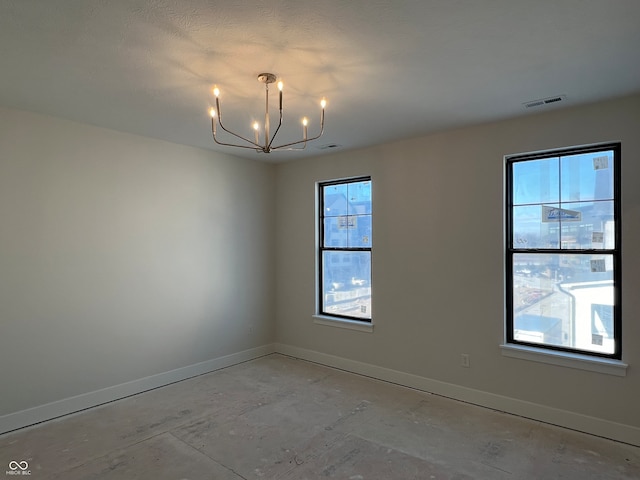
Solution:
(344, 253)
(563, 250)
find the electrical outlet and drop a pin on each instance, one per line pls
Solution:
(464, 360)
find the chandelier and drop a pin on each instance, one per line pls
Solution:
(263, 140)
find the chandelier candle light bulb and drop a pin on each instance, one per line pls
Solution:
(267, 147)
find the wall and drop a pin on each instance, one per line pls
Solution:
(438, 268)
(124, 257)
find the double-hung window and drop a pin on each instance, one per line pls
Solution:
(344, 253)
(563, 250)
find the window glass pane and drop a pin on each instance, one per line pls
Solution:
(587, 176)
(335, 230)
(592, 228)
(536, 181)
(360, 231)
(601, 322)
(334, 200)
(346, 288)
(359, 196)
(532, 227)
(564, 300)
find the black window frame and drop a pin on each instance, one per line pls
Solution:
(322, 248)
(616, 251)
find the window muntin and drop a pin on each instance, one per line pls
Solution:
(563, 250)
(345, 217)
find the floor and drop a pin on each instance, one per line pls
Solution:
(279, 417)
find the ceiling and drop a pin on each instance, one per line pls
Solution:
(390, 69)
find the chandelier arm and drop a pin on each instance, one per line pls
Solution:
(289, 149)
(215, 139)
(256, 146)
(304, 140)
(275, 133)
(280, 147)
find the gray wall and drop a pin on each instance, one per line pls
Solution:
(122, 257)
(438, 258)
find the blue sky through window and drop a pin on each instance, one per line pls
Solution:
(572, 178)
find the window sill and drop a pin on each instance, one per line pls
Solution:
(565, 359)
(343, 323)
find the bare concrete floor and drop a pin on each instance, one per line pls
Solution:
(277, 417)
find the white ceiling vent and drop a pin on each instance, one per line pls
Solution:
(328, 146)
(545, 101)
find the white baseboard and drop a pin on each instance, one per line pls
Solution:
(563, 418)
(41, 413)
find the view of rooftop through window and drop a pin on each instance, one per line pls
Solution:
(563, 251)
(345, 250)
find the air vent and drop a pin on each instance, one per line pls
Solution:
(328, 146)
(545, 101)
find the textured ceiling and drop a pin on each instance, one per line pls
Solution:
(390, 69)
